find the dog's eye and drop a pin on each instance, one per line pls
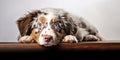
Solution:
(39, 24)
(57, 27)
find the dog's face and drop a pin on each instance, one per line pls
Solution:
(49, 28)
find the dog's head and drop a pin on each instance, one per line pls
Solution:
(48, 26)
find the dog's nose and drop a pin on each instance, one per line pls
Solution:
(47, 38)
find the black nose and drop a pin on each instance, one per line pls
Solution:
(47, 38)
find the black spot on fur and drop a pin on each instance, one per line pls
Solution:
(91, 32)
(44, 13)
(67, 28)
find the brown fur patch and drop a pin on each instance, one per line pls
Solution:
(60, 36)
(54, 20)
(35, 35)
(43, 20)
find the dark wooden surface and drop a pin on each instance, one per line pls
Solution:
(82, 46)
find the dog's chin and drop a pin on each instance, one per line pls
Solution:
(48, 44)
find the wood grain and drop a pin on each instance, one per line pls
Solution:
(82, 46)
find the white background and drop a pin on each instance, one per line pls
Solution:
(103, 14)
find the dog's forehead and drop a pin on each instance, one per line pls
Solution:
(50, 17)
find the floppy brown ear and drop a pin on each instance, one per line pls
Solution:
(23, 23)
(70, 26)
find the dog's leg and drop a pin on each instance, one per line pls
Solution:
(91, 38)
(70, 38)
(26, 39)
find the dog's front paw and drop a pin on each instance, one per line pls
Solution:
(91, 38)
(70, 38)
(26, 39)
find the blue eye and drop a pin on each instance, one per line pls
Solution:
(39, 24)
(57, 27)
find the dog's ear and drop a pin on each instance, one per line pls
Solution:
(23, 23)
(70, 27)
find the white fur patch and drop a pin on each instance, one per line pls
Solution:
(26, 39)
(70, 38)
(47, 30)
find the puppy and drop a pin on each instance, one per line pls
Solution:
(51, 26)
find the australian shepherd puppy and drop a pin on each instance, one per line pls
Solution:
(51, 26)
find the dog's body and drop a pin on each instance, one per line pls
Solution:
(49, 26)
